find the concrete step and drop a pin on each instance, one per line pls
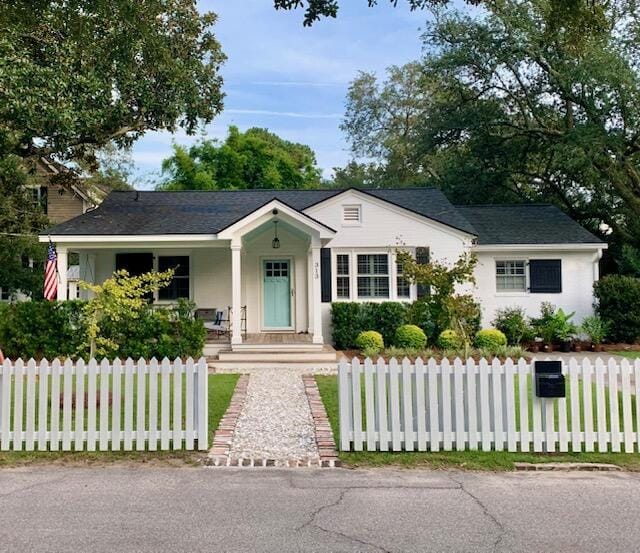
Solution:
(322, 356)
(235, 366)
(298, 347)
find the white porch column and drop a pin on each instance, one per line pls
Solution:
(63, 266)
(236, 292)
(317, 294)
(310, 291)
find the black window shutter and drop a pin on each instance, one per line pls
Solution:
(325, 274)
(135, 264)
(422, 258)
(545, 276)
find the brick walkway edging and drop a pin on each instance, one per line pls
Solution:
(224, 434)
(324, 434)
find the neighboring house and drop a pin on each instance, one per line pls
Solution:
(332, 245)
(60, 200)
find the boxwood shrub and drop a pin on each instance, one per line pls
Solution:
(370, 341)
(491, 338)
(410, 336)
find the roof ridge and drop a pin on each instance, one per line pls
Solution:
(512, 204)
(279, 190)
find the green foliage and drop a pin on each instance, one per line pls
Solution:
(120, 301)
(514, 324)
(58, 329)
(370, 341)
(553, 325)
(595, 328)
(419, 314)
(491, 338)
(410, 336)
(526, 101)
(448, 309)
(348, 319)
(41, 329)
(449, 339)
(618, 304)
(256, 158)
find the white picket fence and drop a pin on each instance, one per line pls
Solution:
(487, 406)
(144, 405)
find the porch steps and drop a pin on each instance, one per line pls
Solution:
(301, 357)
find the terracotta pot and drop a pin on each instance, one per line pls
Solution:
(596, 347)
(577, 347)
(534, 348)
(547, 348)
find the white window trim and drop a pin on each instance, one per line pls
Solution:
(353, 275)
(514, 293)
(357, 223)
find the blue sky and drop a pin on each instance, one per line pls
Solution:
(292, 79)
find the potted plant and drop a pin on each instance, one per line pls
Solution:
(535, 345)
(596, 329)
(564, 329)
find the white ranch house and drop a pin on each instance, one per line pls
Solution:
(334, 245)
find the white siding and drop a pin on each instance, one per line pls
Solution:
(578, 276)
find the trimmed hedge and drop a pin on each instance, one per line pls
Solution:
(370, 340)
(410, 336)
(449, 339)
(618, 304)
(351, 318)
(56, 329)
(490, 338)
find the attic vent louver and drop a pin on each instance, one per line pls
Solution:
(351, 214)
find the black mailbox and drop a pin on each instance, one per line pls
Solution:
(549, 379)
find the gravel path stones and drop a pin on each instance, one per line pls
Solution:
(275, 422)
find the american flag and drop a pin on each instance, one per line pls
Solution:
(51, 274)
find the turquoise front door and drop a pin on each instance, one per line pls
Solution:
(276, 291)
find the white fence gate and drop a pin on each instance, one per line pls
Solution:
(105, 406)
(476, 405)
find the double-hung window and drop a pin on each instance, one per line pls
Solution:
(343, 276)
(373, 275)
(179, 285)
(403, 285)
(511, 276)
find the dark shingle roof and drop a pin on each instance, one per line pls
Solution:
(209, 212)
(149, 213)
(525, 224)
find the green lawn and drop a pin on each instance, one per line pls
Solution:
(221, 387)
(628, 354)
(469, 460)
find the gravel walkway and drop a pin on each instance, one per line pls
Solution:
(275, 422)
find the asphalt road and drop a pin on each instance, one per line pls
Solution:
(206, 509)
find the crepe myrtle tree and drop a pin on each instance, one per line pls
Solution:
(449, 308)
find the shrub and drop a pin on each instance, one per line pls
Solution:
(370, 341)
(419, 313)
(58, 329)
(514, 324)
(450, 340)
(490, 338)
(618, 304)
(349, 319)
(595, 328)
(410, 336)
(41, 329)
